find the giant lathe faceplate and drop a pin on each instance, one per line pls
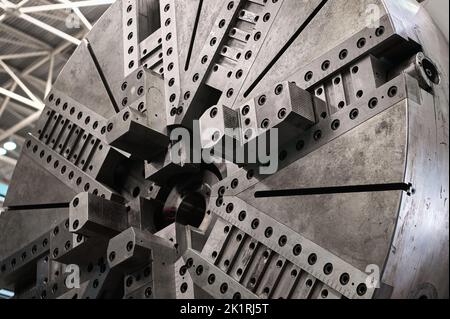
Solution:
(357, 206)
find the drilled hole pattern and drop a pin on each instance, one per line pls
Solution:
(62, 241)
(72, 131)
(32, 251)
(267, 103)
(330, 128)
(130, 38)
(210, 278)
(132, 93)
(240, 60)
(64, 170)
(152, 53)
(339, 56)
(170, 56)
(68, 151)
(42, 250)
(211, 50)
(141, 284)
(289, 254)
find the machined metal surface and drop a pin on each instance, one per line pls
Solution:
(239, 149)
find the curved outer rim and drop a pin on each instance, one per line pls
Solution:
(419, 252)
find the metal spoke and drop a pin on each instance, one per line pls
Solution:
(20, 83)
(67, 5)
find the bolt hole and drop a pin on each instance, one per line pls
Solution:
(297, 250)
(392, 91)
(373, 102)
(354, 114)
(130, 246)
(361, 289)
(282, 241)
(325, 65)
(343, 54)
(312, 259)
(318, 135)
(344, 279)
(359, 94)
(328, 269)
(379, 31)
(361, 43)
(335, 125)
(136, 192)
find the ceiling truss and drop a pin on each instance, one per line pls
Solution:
(23, 93)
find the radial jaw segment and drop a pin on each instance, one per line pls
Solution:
(260, 125)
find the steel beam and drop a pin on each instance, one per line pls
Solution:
(49, 28)
(19, 126)
(79, 14)
(68, 5)
(21, 99)
(22, 55)
(20, 83)
(50, 75)
(25, 37)
(7, 99)
(44, 60)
